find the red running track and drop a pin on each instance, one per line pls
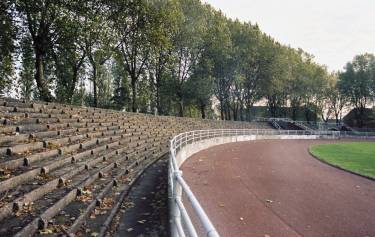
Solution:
(276, 188)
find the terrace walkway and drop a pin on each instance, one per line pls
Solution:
(145, 211)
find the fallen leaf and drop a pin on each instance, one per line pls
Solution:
(46, 232)
(94, 234)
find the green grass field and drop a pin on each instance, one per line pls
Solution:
(358, 157)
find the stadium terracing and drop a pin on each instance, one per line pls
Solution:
(62, 165)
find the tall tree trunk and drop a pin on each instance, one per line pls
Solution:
(180, 108)
(134, 93)
(158, 107)
(227, 109)
(235, 112)
(241, 112)
(75, 68)
(272, 109)
(294, 112)
(221, 110)
(95, 84)
(307, 112)
(39, 76)
(203, 111)
(307, 115)
(361, 117)
(72, 85)
(248, 113)
(272, 105)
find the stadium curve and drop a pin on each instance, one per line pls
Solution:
(66, 170)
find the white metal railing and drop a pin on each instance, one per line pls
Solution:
(302, 125)
(307, 125)
(275, 124)
(262, 119)
(275, 121)
(181, 222)
(357, 134)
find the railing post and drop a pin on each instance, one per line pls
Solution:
(175, 211)
(171, 200)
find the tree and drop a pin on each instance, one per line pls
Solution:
(356, 82)
(314, 87)
(7, 45)
(68, 51)
(273, 84)
(134, 23)
(220, 52)
(200, 86)
(99, 40)
(121, 94)
(40, 17)
(188, 46)
(26, 81)
(296, 80)
(327, 98)
(336, 100)
(248, 47)
(160, 58)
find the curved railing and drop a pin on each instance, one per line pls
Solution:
(357, 134)
(181, 221)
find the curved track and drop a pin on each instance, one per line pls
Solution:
(275, 188)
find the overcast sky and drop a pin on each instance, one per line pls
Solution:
(332, 30)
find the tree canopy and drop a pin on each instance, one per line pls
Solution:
(173, 57)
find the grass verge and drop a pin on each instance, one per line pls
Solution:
(357, 157)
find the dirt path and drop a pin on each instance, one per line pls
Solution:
(275, 188)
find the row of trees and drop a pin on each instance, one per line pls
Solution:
(177, 57)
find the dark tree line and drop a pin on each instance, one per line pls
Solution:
(176, 57)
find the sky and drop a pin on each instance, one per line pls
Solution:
(334, 31)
